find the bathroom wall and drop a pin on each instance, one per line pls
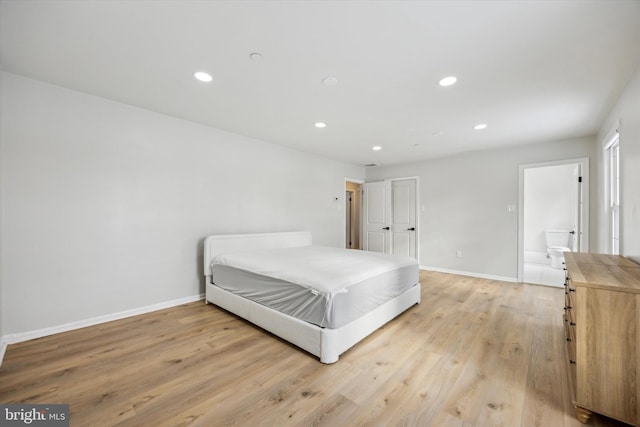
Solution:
(549, 203)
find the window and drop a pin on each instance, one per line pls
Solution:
(612, 176)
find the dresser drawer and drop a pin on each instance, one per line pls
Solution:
(569, 301)
(570, 353)
(570, 308)
(570, 332)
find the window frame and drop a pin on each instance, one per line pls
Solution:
(611, 149)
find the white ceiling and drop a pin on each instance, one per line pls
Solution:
(532, 70)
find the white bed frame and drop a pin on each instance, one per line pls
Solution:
(325, 343)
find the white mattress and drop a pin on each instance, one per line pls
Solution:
(328, 287)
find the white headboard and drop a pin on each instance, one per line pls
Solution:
(225, 243)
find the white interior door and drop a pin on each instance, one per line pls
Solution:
(349, 199)
(577, 229)
(376, 207)
(389, 217)
(403, 217)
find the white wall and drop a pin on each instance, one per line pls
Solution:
(106, 205)
(549, 203)
(627, 111)
(2, 310)
(464, 200)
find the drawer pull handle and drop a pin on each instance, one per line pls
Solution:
(572, 361)
(568, 307)
(572, 323)
(569, 339)
(571, 290)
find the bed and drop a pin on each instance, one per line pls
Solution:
(323, 300)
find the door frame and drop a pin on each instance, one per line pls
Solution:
(344, 214)
(584, 223)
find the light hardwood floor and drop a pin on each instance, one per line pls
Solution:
(475, 352)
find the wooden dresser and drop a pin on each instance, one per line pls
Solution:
(602, 327)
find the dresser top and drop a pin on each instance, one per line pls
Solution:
(612, 272)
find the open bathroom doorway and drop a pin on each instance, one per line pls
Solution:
(554, 200)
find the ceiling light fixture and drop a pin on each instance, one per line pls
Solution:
(330, 81)
(202, 76)
(448, 81)
(480, 126)
(255, 57)
(320, 125)
(376, 148)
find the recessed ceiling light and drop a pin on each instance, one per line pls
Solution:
(202, 76)
(320, 125)
(330, 81)
(376, 148)
(480, 126)
(448, 81)
(255, 57)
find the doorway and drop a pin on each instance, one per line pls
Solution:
(389, 216)
(553, 196)
(352, 199)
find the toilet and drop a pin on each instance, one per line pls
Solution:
(557, 244)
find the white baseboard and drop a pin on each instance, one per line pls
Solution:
(470, 274)
(39, 333)
(3, 348)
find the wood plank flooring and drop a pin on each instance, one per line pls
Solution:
(475, 352)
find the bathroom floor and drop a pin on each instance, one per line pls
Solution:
(538, 270)
(543, 274)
